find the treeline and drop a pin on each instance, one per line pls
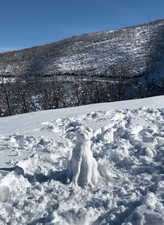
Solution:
(23, 96)
(27, 96)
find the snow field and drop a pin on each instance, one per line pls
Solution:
(98, 168)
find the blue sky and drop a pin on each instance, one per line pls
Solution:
(26, 23)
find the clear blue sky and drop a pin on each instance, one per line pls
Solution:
(25, 23)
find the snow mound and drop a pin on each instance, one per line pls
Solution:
(99, 168)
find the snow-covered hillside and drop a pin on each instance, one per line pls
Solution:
(90, 165)
(94, 67)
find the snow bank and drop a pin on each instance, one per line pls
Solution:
(97, 168)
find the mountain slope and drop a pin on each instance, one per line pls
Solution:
(127, 53)
(90, 68)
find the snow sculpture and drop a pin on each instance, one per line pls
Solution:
(82, 167)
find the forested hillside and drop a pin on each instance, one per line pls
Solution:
(90, 68)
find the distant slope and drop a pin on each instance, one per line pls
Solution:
(128, 53)
(90, 68)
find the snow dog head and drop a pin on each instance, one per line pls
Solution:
(78, 132)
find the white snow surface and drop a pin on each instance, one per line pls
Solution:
(100, 164)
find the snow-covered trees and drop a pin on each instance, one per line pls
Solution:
(22, 96)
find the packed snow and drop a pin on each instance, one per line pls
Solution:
(100, 164)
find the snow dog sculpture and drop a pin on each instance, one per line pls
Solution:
(82, 167)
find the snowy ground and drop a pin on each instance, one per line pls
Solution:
(91, 165)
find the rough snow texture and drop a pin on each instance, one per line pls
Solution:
(125, 149)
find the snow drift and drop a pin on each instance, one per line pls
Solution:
(97, 167)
